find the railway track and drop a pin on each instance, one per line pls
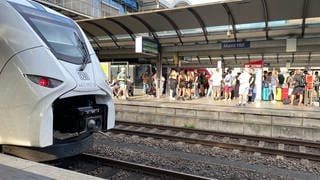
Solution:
(256, 144)
(88, 160)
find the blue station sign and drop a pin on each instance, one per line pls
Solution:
(232, 45)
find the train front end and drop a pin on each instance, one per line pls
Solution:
(53, 90)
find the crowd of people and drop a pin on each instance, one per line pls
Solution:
(224, 86)
(190, 84)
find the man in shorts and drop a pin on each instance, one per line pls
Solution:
(227, 85)
(244, 87)
(299, 85)
(122, 78)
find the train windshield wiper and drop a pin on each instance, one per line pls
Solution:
(84, 52)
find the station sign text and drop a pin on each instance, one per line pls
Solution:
(231, 45)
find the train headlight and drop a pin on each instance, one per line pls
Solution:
(44, 81)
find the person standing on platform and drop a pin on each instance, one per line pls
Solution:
(299, 85)
(189, 83)
(173, 84)
(196, 84)
(146, 80)
(202, 81)
(210, 89)
(216, 79)
(252, 82)
(235, 86)
(316, 84)
(182, 81)
(122, 78)
(227, 87)
(289, 82)
(281, 79)
(273, 84)
(244, 87)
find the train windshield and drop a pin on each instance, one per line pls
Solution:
(61, 34)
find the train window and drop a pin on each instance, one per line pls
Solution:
(59, 33)
(61, 38)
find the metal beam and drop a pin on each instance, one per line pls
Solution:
(230, 15)
(148, 26)
(124, 27)
(235, 59)
(305, 9)
(292, 60)
(210, 58)
(222, 58)
(130, 52)
(254, 45)
(114, 40)
(201, 23)
(198, 59)
(309, 57)
(278, 58)
(266, 17)
(173, 24)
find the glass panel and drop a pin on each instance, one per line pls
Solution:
(192, 31)
(142, 34)
(103, 38)
(123, 36)
(251, 26)
(285, 23)
(166, 33)
(217, 28)
(313, 20)
(61, 38)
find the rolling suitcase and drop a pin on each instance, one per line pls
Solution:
(265, 94)
(278, 93)
(284, 93)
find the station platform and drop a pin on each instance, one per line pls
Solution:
(262, 118)
(15, 168)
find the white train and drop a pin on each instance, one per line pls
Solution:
(53, 93)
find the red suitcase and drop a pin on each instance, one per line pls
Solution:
(284, 93)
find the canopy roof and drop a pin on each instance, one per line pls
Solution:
(210, 19)
(198, 31)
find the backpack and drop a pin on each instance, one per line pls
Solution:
(286, 101)
(302, 82)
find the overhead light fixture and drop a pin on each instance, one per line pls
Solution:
(228, 33)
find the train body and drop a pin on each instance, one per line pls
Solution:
(53, 93)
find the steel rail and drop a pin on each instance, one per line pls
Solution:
(225, 145)
(149, 170)
(294, 142)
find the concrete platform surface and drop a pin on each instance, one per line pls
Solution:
(12, 168)
(277, 105)
(207, 104)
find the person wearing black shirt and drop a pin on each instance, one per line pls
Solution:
(281, 79)
(299, 85)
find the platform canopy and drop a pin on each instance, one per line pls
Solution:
(236, 20)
